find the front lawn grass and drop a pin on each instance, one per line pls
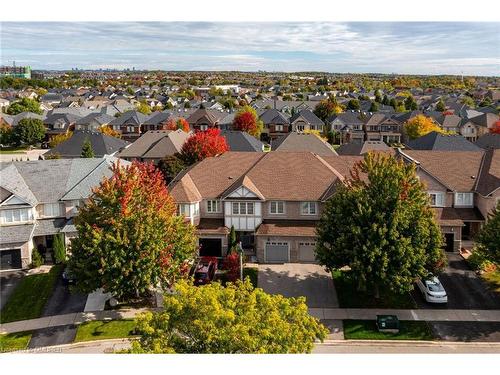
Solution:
(492, 278)
(367, 330)
(13, 150)
(350, 297)
(104, 330)
(30, 296)
(252, 273)
(14, 341)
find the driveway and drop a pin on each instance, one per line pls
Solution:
(465, 288)
(8, 282)
(62, 301)
(296, 279)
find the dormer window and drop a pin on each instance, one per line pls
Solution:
(464, 199)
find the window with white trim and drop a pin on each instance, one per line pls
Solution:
(16, 216)
(196, 210)
(183, 209)
(213, 206)
(52, 210)
(278, 128)
(436, 199)
(243, 208)
(308, 208)
(277, 207)
(464, 199)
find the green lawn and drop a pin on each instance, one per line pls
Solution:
(30, 296)
(367, 330)
(14, 341)
(13, 150)
(349, 297)
(104, 330)
(252, 273)
(492, 279)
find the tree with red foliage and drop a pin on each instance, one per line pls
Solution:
(203, 144)
(246, 120)
(496, 128)
(232, 266)
(130, 238)
(175, 124)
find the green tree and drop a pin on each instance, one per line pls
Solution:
(385, 100)
(384, 228)
(29, 131)
(353, 104)
(171, 166)
(440, 106)
(327, 108)
(373, 107)
(144, 108)
(6, 134)
(378, 96)
(24, 105)
(129, 235)
(410, 103)
(87, 150)
(232, 319)
(36, 258)
(468, 101)
(488, 238)
(59, 248)
(232, 240)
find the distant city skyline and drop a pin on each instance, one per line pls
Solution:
(358, 47)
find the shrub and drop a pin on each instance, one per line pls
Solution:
(59, 249)
(232, 266)
(36, 259)
(479, 261)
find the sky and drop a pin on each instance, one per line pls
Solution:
(361, 47)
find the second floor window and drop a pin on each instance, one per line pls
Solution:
(464, 199)
(308, 208)
(213, 206)
(52, 210)
(436, 199)
(15, 216)
(277, 207)
(184, 209)
(278, 128)
(242, 208)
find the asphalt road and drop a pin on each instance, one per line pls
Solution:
(467, 331)
(8, 282)
(62, 301)
(464, 287)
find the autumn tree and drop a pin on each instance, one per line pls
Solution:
(24, 105)
(175, 124)
(6, 134)
(421, 125)
(440, 106)
(59, 138)
(108, 130)
(327, 108)
(495, 129)
(247, 120)
(29, 131)
(354, 105)
(144, 108)
(488, 239)
(203, 144)
(237, 318)
(130, 238)
(379, 224)
(87, 150)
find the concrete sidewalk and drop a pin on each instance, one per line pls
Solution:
(320, 313)
(425, 314)
(68, 319)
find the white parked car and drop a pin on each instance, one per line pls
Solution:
(432, 290)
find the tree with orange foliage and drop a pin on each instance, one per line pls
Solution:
(246, 120)
(130, 238)
(176, 124)
(421, 125)
(496, 128)
(203, 144)
(59, 138)
(108, 130)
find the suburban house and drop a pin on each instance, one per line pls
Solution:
(203, 119)
(306, 120)
(275, 123)
(38, 199)
(299, 142)
(442, 142)
(154, 145)
(464, 186)
(59, 123)
(350, 125)
(475, 127)
(274, 201)
(102, 145)
(242, 141)
(356, 148)
(379, 127)
(129, 125)
(93, 121)
(156, 121)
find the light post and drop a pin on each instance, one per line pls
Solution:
(239, 248)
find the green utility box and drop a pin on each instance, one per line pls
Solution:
(388, 323)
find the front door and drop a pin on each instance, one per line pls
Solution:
(449, 239)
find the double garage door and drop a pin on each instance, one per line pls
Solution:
(306, 252)
(10, 259)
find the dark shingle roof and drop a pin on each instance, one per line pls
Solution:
(441, 142)
(302, 142)
(489, 140)
(362, 148)
(309, 116)
(242, 141)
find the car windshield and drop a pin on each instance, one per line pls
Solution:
(200, 275)
(434, 285)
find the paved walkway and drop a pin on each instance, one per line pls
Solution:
(320, 313)
(427, 315)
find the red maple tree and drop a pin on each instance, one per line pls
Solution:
(203, 144)
(175, 124)
(246, 120)
(496, 128)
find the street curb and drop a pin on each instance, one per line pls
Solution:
(406, 342)
(58, 348)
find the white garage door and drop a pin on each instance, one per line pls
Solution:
(277, 252)
(306, 252)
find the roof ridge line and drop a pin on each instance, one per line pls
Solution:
(104, 160)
